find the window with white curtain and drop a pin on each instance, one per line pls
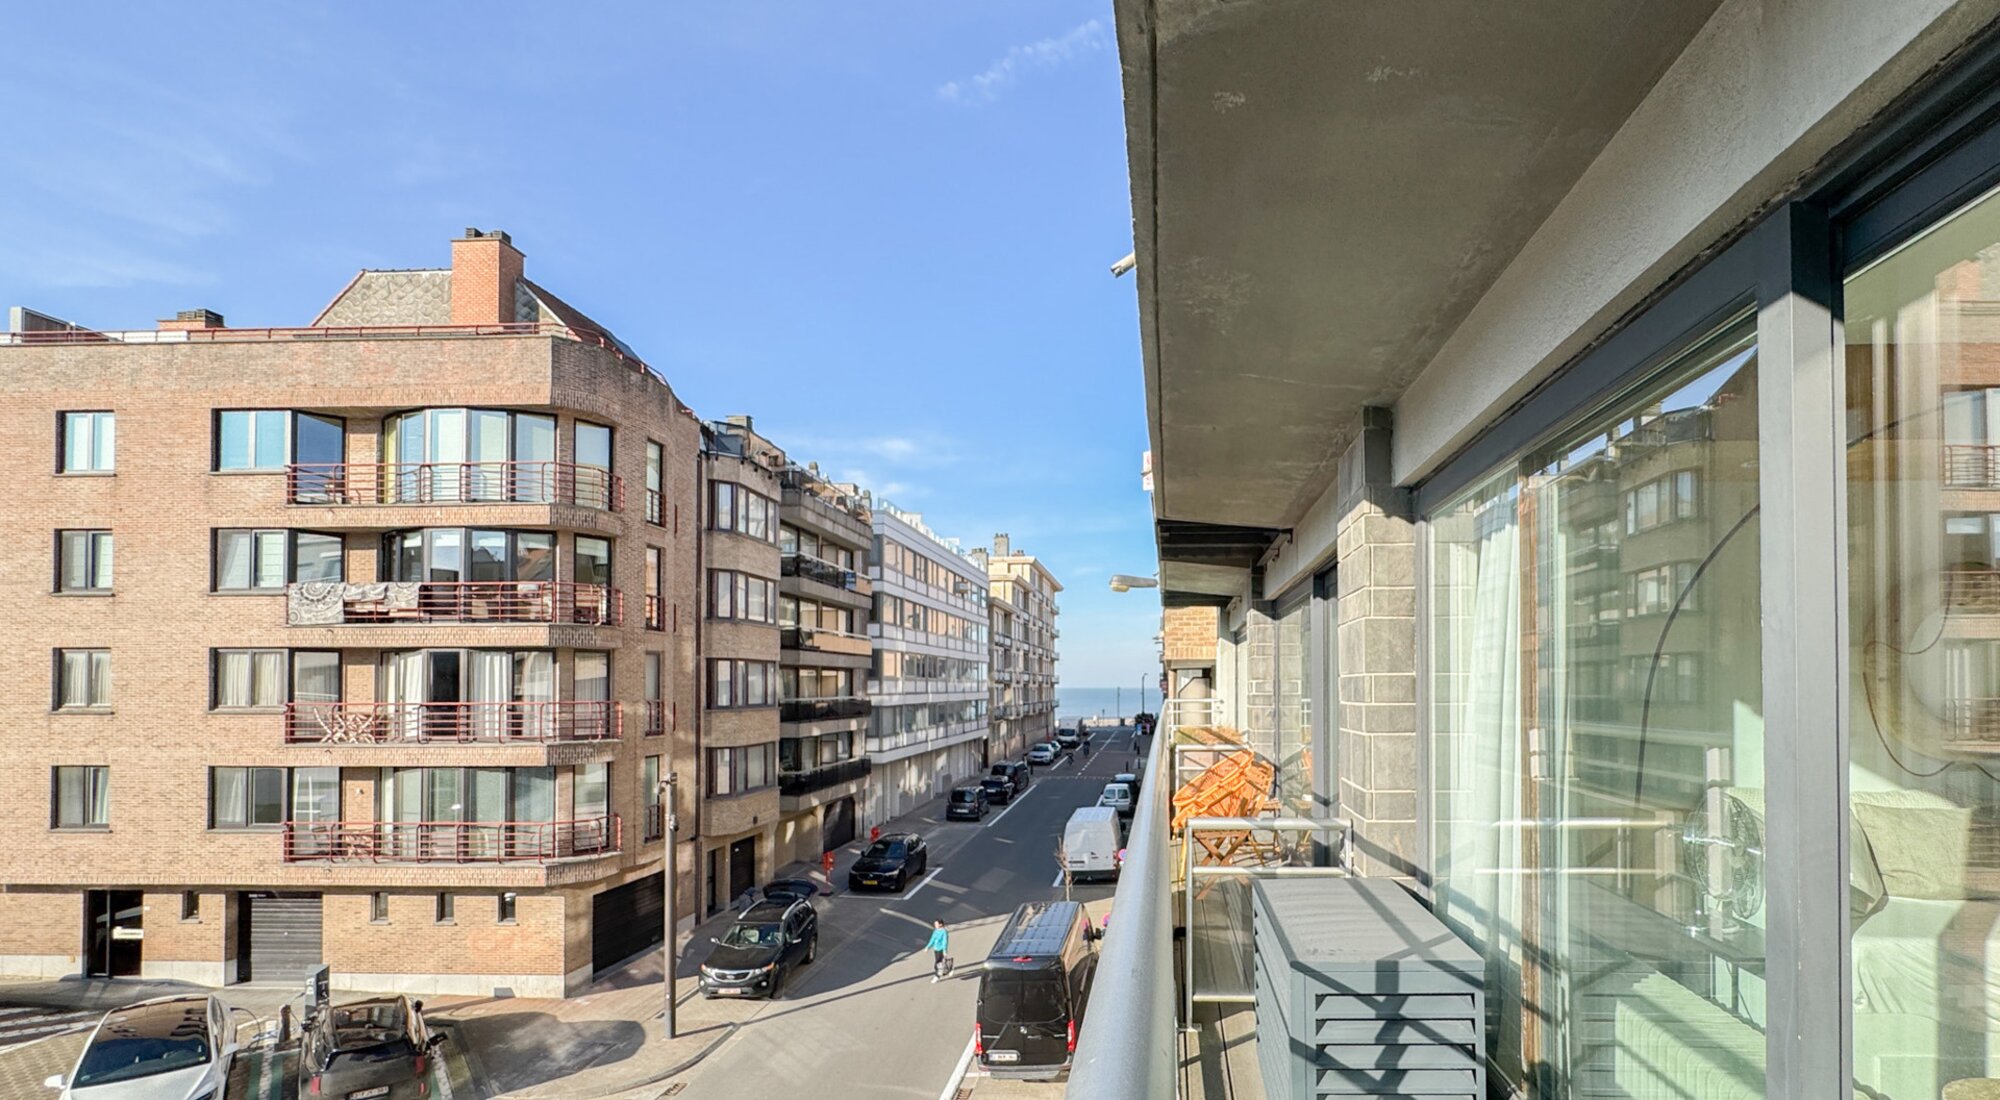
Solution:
(81, 797)
(84, 563)
(83, 678)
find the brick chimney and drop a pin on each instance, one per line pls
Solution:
(191, 319)
(1001, 545)
(485, 265)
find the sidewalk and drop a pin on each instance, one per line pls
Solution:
(610, 1041)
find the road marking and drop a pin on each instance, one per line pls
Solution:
(958, 1071)
(912, 891)
(1058, 881)
(1011, 803)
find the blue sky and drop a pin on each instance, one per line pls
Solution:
(784, 207)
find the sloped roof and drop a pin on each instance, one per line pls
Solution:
(410, 297)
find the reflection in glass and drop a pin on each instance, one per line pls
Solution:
(1923, 494)
(1598, 763)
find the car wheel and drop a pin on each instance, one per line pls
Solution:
(812, 949)
(900, 880)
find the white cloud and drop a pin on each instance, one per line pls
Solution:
(1048, 53)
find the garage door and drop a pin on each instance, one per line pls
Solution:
(839, 827)
(284, 936)
(625, 921)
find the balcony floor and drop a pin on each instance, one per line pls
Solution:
(1219, 1060)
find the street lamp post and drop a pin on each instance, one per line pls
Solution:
(668, 961)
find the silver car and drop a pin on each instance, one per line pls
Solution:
(172, 1048)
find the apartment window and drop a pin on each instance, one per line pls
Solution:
(593, 445)
(190, 906)
(89, 440)
(246, 798)
(1661, 501)
(592, 791)
(593, 560)
(378, 908)
(81, 798)
(655, 482)
(83, 678)
(649, 796)
(253, 678)
(737, 770)
(267, 439)
(83, 561)
(447, 909)
(733, 595)
(737, 683)
(734, 508)
(505, 908)
(267, 560)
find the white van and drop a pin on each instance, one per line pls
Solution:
(1091, 842)
(1118, 796)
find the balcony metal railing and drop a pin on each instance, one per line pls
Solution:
(343, 483)
(1128, 1049)
(656, 613)
(316, 333)
(559, 602)
(1973, 590)
(825, 641)
(825, 572)
(459, 723)
(449, 841)
(656, 822)
(794, 784)
(656, 718)
(655, 508)
(1971, 465)
(820, 710)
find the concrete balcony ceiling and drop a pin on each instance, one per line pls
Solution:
(1321, 192)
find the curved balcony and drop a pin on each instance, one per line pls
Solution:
(491, 723)
(820, 710)
(374, 483)
(449, 841)
(332, 603)
(795, 784)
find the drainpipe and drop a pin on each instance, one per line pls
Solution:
(700, 659)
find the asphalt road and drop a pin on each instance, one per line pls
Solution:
(865, 1021)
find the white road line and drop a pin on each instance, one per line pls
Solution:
(912, 891)
(958, 1072)
(1058, 881)
(1011, 803)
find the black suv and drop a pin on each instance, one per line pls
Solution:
(755, 958)
(967, 803)
(1017, 774)
(999, 789)
(378, 1047)
(890, 862)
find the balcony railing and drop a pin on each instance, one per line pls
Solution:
(1973, 590)
(449, 841)
(655, 508)
(656, 822)
(454, 483)
(656, 718)
(1971, 465)
(820, 710)
(461, 723)
(811, 568)
(794, 784)
(825, 641)
(319, 333)
(564, 602)
(656, 613)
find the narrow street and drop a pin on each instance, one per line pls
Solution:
(865, 1020)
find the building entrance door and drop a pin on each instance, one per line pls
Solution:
(114, 925)
(742, 866)
(838, 827)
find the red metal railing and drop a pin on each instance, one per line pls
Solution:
(1973, 590)
(317, 332)
(655, 508)
(564, 602)
(1971, 465)
(656, 717)
(478, 723)
(449, 841)
(454, 483)
(656, 613)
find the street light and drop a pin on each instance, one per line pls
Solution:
(1125, 582)
(668, 963)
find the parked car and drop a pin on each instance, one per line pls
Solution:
(174, 1048)
(999, 789)
(1034, 989)
(377, 1049)
(1091, 842)
(890, 863)
(1044, 753)
(1118, 796)
(1068, 738)
(966, 804)
(1018, 772)
(761, 949)
(1130, 779)
(791, 889)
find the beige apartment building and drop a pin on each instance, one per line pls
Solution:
(1021, 610)
(360, 644)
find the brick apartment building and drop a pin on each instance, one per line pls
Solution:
(1021, 610)
(362, 643)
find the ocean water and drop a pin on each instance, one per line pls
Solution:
(1085, 702)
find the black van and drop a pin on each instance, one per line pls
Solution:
(1033, 992)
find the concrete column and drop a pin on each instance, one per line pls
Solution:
(1260, 679)
(1376, 623)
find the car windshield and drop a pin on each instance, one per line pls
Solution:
(141, 1043)
(992, 782)
(751, 935)
(1018, 997)
(885, 849)
(964, 796)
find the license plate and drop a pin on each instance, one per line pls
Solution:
(869, 882)
(1003, 1055)
(730, 991)
(364, 1094)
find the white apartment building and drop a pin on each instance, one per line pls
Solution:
(928, 681)
(1021, 611)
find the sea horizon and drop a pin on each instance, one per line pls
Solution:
(1093, 702)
